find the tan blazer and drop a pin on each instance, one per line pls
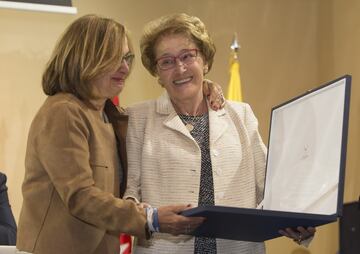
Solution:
(72, 181)
(165, 165)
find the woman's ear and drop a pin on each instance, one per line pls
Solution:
(161, 83)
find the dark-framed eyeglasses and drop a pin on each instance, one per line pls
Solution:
(128, 58)
(186, 57)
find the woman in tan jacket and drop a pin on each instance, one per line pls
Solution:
(76, 165)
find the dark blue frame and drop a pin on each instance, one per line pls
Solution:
(259, 225)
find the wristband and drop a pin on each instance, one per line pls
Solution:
(149, 218)
(156, 225)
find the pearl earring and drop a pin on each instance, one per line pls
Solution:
(206, 69)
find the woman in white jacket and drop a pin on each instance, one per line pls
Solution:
(180, 150)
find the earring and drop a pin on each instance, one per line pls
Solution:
(206, 69)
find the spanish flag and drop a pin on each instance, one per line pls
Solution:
(115, 101)
(234, 89)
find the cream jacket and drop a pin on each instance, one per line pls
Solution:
(165, 164)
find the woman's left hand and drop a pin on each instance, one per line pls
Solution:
(214, 94)
(300, 234)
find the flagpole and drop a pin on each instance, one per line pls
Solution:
(234, 92)
(235, 46)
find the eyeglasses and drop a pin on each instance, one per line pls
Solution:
(168, 62)
(128, 58)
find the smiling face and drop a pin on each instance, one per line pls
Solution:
(183, 82)
(110, 84)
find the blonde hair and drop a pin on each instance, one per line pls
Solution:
(90, 47)
(181, 23)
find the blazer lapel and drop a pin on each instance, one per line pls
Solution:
(217, 119)
(119, 122)
(172, 121)
(217, 123)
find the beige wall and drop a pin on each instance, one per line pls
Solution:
(287, 47)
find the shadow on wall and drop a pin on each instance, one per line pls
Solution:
(20, 98)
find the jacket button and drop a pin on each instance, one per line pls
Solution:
(215, 152)
(218, 171)
(220, 195)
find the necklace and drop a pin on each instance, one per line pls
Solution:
(195, 124)
(188, 126)
(190, 120)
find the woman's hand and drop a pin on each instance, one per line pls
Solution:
(214, 94)
(298, 235)
(171, 222)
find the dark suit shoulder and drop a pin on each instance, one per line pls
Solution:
(2, 182)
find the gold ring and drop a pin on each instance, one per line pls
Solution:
(299, 239)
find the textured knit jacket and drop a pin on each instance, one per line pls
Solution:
(165, 165)
(72, 181)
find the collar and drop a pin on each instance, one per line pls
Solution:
(164, 106)
(217, 119)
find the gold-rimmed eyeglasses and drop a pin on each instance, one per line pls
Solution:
(186, 57)
(128, 58)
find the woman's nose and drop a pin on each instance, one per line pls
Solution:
(124, 66)
(179, 65)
